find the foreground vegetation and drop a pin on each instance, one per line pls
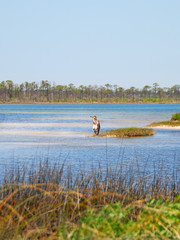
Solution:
(45, 92)
(174, 122)
(128, 132)
(153, 219)
(114, 203)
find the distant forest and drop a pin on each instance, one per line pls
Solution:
(32, 92)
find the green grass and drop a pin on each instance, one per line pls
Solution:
(153, 219)
(175, 117)
(128, 132)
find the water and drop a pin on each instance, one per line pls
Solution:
(30, 133)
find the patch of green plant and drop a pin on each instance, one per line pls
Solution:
(175, 117)
(154, 219)
(129, 132)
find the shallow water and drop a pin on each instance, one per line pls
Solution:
(30, 133)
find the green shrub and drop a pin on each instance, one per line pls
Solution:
(128, 132)
(155, 219)
(176, 117)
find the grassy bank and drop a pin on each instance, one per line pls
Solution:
(173, 122)
(53, 202)
(165, 124)
(128, 132)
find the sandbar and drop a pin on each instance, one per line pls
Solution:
(167, 127)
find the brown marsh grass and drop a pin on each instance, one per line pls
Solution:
(37, 204)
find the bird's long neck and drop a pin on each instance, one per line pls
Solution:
(95, 121)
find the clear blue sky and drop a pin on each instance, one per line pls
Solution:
(123, 42)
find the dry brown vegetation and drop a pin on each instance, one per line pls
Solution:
(50, 201)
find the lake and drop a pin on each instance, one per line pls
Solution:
(33, 133)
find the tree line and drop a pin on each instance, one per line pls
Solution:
(32, 92)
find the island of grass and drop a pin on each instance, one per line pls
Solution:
(128, 132)
(174, 122)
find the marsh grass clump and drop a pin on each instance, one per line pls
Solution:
(129, 132)
(53, 202)
(174, 122)
(175, 117)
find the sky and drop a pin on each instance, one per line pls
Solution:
(91, 42)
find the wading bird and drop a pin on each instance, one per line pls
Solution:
(96, 125)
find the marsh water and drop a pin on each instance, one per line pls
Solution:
(33, 133)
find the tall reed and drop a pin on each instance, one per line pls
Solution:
(37, 203)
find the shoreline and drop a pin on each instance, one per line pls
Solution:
(166, 127)
(78, 103)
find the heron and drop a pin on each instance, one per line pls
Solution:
(96, 125)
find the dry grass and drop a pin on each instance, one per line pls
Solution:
(39, 204)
